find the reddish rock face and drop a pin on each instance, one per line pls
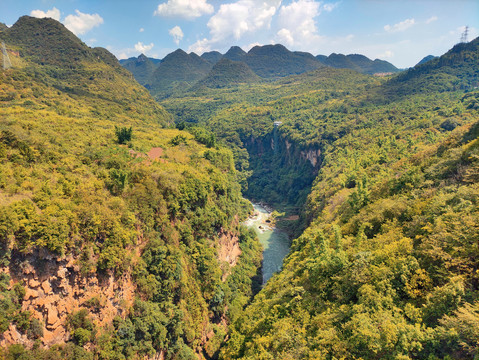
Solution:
(312, 156)
(228, 250)
(55, 288)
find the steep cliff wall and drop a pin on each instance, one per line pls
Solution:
(55, 288)
(282, 170)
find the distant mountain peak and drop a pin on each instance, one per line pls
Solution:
(212, 56)
(269, 49)
(426, 59)
(178, 70)
(235, 48)
(357, 62)
(141, 67)
(235, 53)
(178, 52)
(48, 42)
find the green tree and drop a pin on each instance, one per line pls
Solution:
(123, 134)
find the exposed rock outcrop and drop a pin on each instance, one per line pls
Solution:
(228, 249)
(312, 155)
(55, 288)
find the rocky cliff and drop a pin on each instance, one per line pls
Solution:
(283, 171)
(55, 289)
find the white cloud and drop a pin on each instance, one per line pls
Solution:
(330, 7)
(200, 46)
(244, 16)
(285, 37)
(53, 13)
(142, 48)
(386, 55)
(235, 20)
(141, 29)
(177, 34)
(82, 23)
(401, 26)
(431, 19)
(297, 25)
(188, 9)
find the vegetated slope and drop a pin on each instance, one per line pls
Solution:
(228, 73)
(455, 70)
(243, 118)
(181, 72)
(358, 63)
(141, 67)
(272, 61)
(212, 56)
(48, 43)
(70, 67)
(153, 60)
(235, 53)
(178, 71)
(387, 267)
(118, 238)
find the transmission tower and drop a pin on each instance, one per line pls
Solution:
(7, 64)
(464, 35)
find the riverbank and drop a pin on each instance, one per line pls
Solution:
(275, 242)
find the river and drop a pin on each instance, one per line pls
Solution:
(275, 242)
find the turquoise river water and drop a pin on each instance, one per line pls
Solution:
(275, 242)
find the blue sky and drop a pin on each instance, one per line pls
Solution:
(402, 32)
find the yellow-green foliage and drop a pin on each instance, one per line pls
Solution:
(387, 267)
(68, 187)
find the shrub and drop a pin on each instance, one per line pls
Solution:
(81, 336)
(178, 139)
(123, 134)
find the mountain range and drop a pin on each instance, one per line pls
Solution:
(179, 70)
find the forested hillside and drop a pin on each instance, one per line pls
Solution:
(387, 268)
(177, 72)
(358, 63)
(228, 73)
(180, 72)
(455, 70)
(243, 117)
(387, 265)
(142, 68)
(120, 237)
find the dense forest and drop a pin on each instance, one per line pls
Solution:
(91, 174)
(100, 184)
(386, 267)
